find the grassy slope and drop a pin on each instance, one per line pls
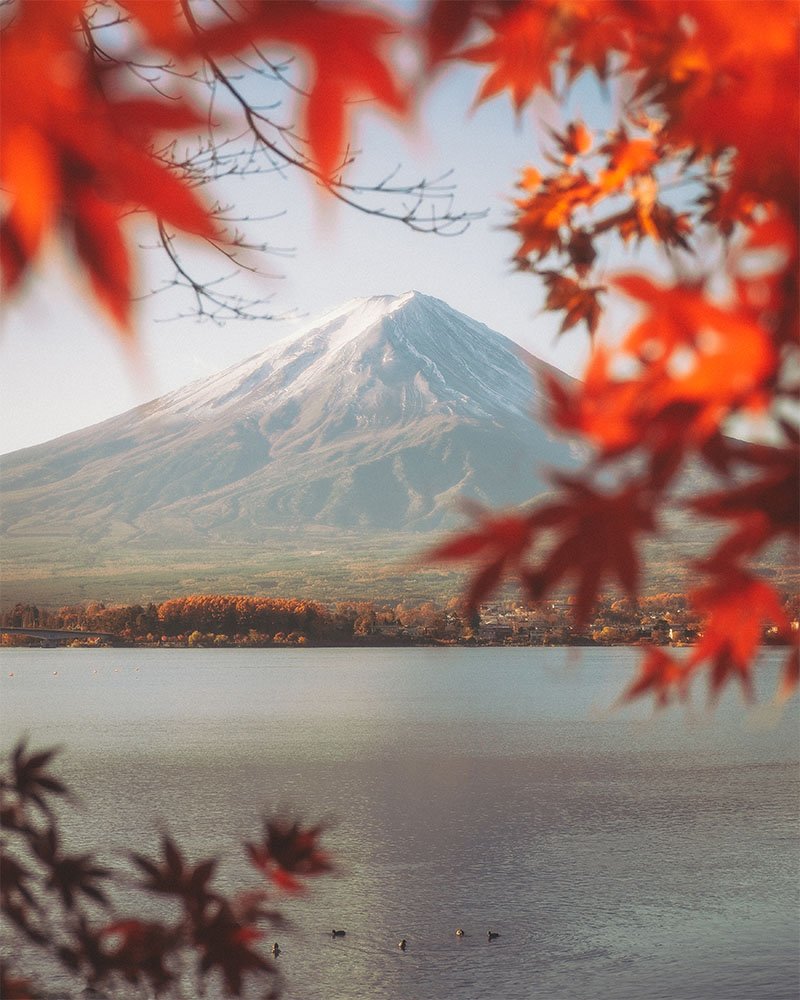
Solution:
(311, 564)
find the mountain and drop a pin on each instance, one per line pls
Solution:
(372, 422)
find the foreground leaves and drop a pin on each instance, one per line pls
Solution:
(582, 535)
(53, 899)
(288, 853)
(77, 155)
(345, 48)
(81, 153)
(708, 108)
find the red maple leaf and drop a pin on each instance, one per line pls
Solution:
(224, 944)
(544, 219)
(574, 141)
(727, 76)
(764, 508)
(604, 409)
(138, 950)
(578, 301)
(521, 51)
(288, 853)
(530, 38)
(76, 158)
(695, 352)
(627, 158)
(736, 605)
(660, 675)
(595, 538)
(174, 877)
(14, 987)
(596, 31)
(765, 274)
(30, 780)
(497, 544)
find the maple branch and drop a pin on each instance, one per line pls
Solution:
(443, 223)
(223, 306)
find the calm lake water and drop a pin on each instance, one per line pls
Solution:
(618, 855)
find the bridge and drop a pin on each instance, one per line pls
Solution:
(54, 636)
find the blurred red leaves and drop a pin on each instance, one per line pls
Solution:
(727, 77)
(528, 39)
(499, 544)
(518, 53)
(221, 930)
(53, 899)
(15, 987)
(79, 153)
(702, 351)
(582, 535)
(343, 45)
(68, 875)
(139, 950)
(29, 781)
(225, 943)
(579, 302)
(173, 877)
(762, 509)
(447, 24)
(596, 538)
(735, 605)
(627, 158)
(660, 675)
(289, 853)
(76, 156)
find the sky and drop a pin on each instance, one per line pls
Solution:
(62, 367)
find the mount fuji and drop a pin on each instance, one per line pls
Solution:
(374, 421)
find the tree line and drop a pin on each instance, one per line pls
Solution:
(242, 619)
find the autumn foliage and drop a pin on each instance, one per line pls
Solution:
(62, 905)
(700, 168)
(710, 110)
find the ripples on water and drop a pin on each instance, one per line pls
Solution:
(618, 856)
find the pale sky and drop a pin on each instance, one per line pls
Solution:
(62, 367)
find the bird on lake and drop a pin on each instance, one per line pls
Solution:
(459, 932)
(335, 933)
(402, 944)
(275, 949)
(492, 935)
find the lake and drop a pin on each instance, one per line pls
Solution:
(618, 854)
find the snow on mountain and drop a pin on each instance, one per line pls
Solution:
(379, 415)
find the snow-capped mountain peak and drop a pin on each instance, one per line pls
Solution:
(412, 345)
(380, 413)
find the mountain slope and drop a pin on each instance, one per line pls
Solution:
(379, 416)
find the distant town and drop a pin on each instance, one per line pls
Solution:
(246, 621)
